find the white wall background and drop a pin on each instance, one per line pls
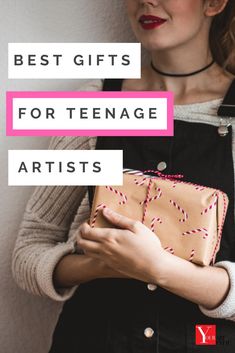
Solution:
(27, 321)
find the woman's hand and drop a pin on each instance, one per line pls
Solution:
(133, 250)
(137, 253)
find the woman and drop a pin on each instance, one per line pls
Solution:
(126, 294)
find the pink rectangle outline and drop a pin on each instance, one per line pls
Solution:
(10, 95)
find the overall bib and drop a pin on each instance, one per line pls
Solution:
(129, 316)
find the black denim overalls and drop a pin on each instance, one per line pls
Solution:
(112, 315)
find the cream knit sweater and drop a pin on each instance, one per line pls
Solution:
(53, 214)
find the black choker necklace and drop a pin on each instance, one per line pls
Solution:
(181, 75)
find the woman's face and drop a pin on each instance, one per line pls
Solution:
(165, 24)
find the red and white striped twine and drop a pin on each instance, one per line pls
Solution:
(100, 206)
(119, 193)
(156, 172)
(154, 220)
(198, 230)
(147, 198)
(152, 198)
(141, 182)
(181, 210)
(199, 188)
(175, 183)
(220, 227)
(192, 255)
(164, 176)
(213, 204)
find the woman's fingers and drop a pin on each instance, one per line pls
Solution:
(89, 246)
(98, 235)
(86, 232)
(107, 236)
(120, 220)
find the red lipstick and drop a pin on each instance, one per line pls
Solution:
(151, 22)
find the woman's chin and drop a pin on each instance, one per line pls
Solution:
(155, 46)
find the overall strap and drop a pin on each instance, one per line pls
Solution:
(112, 85)
(227, 108)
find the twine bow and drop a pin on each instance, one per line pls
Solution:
(161, 175)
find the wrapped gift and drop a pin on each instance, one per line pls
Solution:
(187, 218)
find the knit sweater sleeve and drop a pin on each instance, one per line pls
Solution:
(226, 310)
(43, 237)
